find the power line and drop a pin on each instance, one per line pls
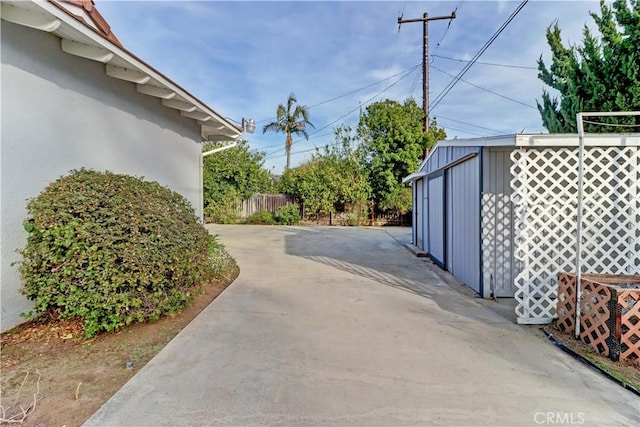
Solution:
(470, 124)
(466, 68)
(282, 148)
(441, 117)
(314, 134)
(448, 25)
(486, 63)
(351, 92)
(425, 60)
(395, 44)
(485, 89)
(365, 102)
(467, 131)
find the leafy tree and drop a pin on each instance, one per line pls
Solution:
(292, 119)
(230, 175)
(602, 75)
(394, 144)
(309, 183)
(334, 180)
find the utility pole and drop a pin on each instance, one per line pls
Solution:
(425, 60)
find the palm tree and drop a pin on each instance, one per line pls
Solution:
(290, 120)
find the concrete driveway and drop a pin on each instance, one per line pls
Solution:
(344, 327)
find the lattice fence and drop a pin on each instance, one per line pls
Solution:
(566, 302)
(497, 244)
(629, 306)
(545, 188)
(610, 313)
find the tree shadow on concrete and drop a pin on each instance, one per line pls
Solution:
(375, 254)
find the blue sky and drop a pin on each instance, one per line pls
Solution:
(244, 58)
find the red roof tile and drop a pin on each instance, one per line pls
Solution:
(100, 23)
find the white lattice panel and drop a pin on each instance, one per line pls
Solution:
(545, 187)
(497, 242)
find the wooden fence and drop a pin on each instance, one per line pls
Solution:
(271, 203)
(263, 202)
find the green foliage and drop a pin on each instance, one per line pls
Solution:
(221, 209)
(288, 214)
(394, 144)
(261, 218)
(355, 215)
(229, 176)
(290, 120)
(331, 181)
(399, 200)
(113, 249)
(602, 75)
(365, 165)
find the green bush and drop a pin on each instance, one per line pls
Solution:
(288, 214)
(261, 218)
(113, 249)
(223, 211)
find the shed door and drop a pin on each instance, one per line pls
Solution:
(436, 224)
(418, 214)
(424, 205)
(463, 222)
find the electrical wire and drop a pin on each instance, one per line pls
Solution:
(365, 102)
(487, 63)
(485, 89)
(466, 68)
(467, 131)
(350, 92)
(392, 60)
(272, 155)
(470, 124)
(448, 26)
(313, 135)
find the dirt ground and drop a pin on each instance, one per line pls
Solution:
(51, 376)
(629, 372)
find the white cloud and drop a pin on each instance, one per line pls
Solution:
(243, 58)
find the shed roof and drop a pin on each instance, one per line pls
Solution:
(85, 33)
(532, 141)
(546, 140)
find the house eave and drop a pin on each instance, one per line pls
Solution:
(77, 38)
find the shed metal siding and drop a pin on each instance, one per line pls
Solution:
(435, 212)
(424, 206)
(441, 156)
(463, 222)
(498, 263)
(418, 214)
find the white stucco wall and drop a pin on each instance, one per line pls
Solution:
(61, 112)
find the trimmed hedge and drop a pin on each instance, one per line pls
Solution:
(113, 249)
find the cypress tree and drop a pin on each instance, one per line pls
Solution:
(601, 75)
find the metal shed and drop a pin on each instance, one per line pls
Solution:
(500, 213)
